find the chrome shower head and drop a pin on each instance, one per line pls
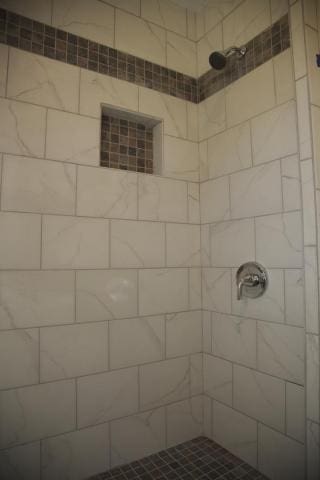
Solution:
(218, 60)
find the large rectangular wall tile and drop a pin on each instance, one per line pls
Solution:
(295, 412)
(73, 350)
(97, 89)
(163, 290)
(23, 128)
(283, 71)
(229, 151)
(298, 43)
(137, 244)
(136, 340)
(303, 110)
(311, 289)
(96, 23)
(312, 48)
(184, 421)
(74, 242)
(235, 432)
(20, 242)
(22, 461)
(181, 54)
(106, 396)
(312, 378)
(215, 193)
(211, 42)
(183, 245)
(212, 115)
(31, 185)
(274, 134)
(279, 456)
(313, 443)
(39, 10)
(279, 240)
(256, 191)
(164, 382)
(4, 52)
(262, 398)
(308, 202)
(195, 293)
(72, 138)
(234, 338)
(162, 199)
(180, 159)
(32, 299)
(31, 413)
(137, 436)
(280, 351)
(291, 186)
(106, 295)
(36, 79)
(196, 374)
(225, 252)
(183, 333)
(217, 378)
(87, 450)
(216, 289)
(294, 297)
(19, 358)
(166, 14)
(106, 193)
(194, 203)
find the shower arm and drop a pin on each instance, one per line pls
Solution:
(239, 51)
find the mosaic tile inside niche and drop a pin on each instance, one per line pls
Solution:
(126, 145)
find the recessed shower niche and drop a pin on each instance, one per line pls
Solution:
(130, 141)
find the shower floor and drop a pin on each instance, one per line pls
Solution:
(197, 459)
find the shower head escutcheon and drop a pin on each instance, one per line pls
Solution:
(218, 60)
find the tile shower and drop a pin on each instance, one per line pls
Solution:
(121, 335)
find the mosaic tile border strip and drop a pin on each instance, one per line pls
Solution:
(197, 459)
(32, 36)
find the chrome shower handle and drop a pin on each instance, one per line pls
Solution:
(250, 280)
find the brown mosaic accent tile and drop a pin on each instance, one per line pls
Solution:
(197, 459)
(126, 145)
(36, 37)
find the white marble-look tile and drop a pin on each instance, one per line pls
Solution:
(315, 115)
(295, 412)
(136, 36)
(181, 54)
(106, 396)
(39, 10)
(95, 23)
(278, 9)
(203, 161)
(23, 128)
(205, 245)
(180, 159)
(283, 73)
(195, 292)
(294, 297)
(192, 122)
(194, 202)
(35, 412)
(136, 341)
(184, 421)
(215, 11)
(280, 457)
(290, 177)
(279, 240)
(72, 138)
(207, 331)
(212, 115)
(235, 432)
(211, 42)
(256, 191)
(167, 14)
(97, 89)
(234, 338)
(4, 52)
(225, 251)
(196, 374)
(313, 445)
(106, 193)
(73, 350)
(32, 185)
(43, 81)
(298, 43)
(312, 378)
(308, 202)
(106, 295)
(304, 130)
(163, 290)
(20, 241)
(162, 199)
(76, 455)
(217, 378)
(129, 247)
(280, 351)
(270, 306)
(274, 133)
(311, 289)
(216, 289)
(263, 397)
(312, 48)
(191, 25)
(173, 111)
(207, 416)
(21, 462)
(137, 436)
(19, 358)
(183, 333)
(131, 6)
(32, 299)
(164, 382)
(74, 242)
(183, 245)
(230, 151)
(250, 95)
(214, 200)
(310, 13)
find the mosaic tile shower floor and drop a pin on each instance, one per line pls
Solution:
(197, 459)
